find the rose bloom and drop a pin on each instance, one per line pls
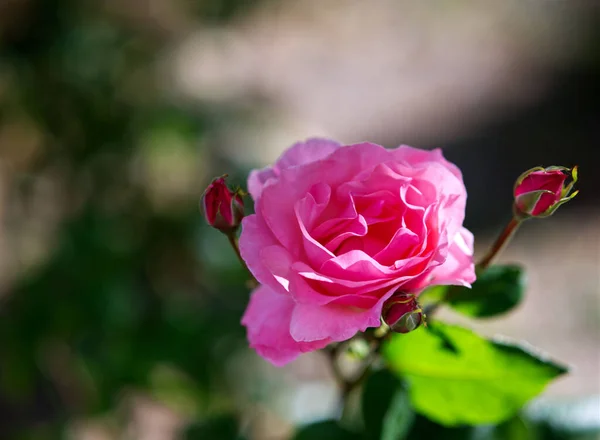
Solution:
(339, 229)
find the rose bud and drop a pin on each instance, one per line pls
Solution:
(540, 191)
(402, 313)
(223, 208)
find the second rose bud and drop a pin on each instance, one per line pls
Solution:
(540, 191)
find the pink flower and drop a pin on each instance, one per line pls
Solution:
(540, 191)
(223, 208)
(338, 230)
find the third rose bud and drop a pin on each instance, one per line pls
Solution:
(402, 313)
(540, 191)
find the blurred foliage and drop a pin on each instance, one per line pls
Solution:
(122, 300)
(386, 408)
(393, 419)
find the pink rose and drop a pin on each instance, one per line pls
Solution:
(338, 230)
(540, 191)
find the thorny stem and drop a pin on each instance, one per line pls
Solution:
(500, 243)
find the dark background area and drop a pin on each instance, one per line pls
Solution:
(563, 128)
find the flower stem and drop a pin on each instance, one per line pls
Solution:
(500, 243)
(333, 354)
(233, 241)
(349, 384)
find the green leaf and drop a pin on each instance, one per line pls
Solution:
(326, 430)
(386, 408)
(497, 290)
(457, 377)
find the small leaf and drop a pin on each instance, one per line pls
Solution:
(497, 290)
(425, 429)
(475, 382)
(326, 430)
(515, 428)
(386, 408)
(398, 417)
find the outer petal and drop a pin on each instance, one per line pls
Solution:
(458, 268)
(538, 180)
(310, 150)
(431, 171)
(334, 322)
(257, 245)
(267, 320)
(258, 179)
(298, 154)
(415, 156)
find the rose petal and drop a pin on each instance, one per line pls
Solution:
(254, 239)
(400, 247)
(258, 179)
(458, 268)
(298, 154)
(267, 319)
(310, 287)
(277, 200)
(337, 323)
(550, 181)
(431, 168)
(314, 251)
(415, 156)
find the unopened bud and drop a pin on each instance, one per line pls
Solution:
(223, 208)
(540, 191)
(402, 313)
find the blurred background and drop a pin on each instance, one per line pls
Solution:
(120, 309)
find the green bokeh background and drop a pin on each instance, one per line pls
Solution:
(125, 299)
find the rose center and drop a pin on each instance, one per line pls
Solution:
(379, 224)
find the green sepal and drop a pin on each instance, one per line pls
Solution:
(525, 203)
(557, 205)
